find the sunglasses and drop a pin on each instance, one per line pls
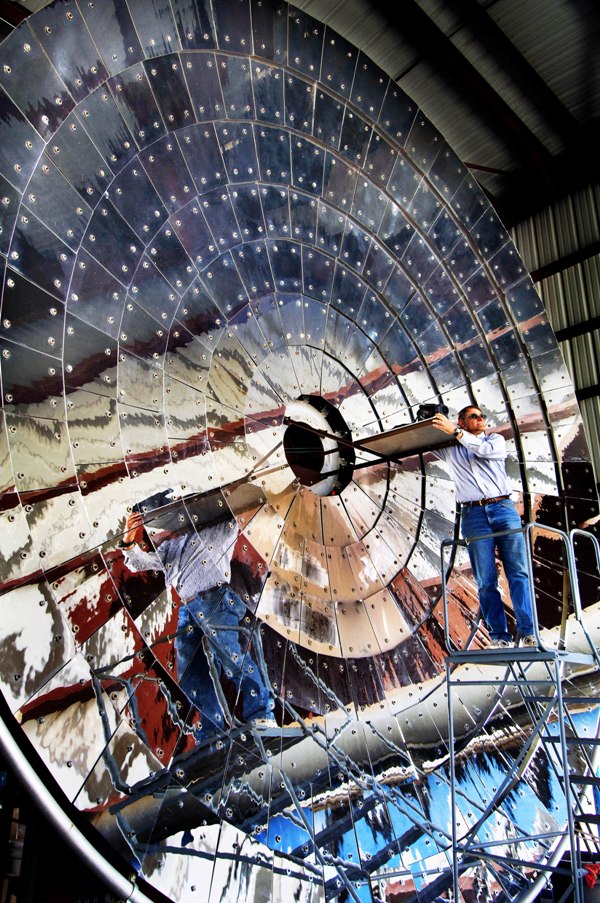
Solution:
(475, 417)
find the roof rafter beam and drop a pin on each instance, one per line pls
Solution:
(415, 27)
(564, 263)
(13, 13)
(522, 73)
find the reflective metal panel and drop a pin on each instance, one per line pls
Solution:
(232, 251)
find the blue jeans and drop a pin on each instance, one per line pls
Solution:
(479, 521)
(216, 615)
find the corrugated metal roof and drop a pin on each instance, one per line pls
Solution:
(538, 62)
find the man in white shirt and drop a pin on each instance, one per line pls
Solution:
(478, 466)
(198, 566)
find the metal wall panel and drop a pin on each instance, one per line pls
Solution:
(571, 295)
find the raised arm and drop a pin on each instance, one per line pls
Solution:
(137, 551)
(134, 533)
(492, 447)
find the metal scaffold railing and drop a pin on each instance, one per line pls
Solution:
(546, 700)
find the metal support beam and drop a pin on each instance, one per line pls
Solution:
(423, 34)
(538, 177)
(12, 13)
(480, 23)
(564, 263)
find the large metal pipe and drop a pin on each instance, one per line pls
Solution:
(360, 749)
(124, 887)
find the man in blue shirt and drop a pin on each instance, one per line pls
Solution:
(478, 466)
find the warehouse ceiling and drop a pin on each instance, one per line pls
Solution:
(237, 265)
(514, 87)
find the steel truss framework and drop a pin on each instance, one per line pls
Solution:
(558, 717)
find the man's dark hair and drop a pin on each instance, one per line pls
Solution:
(463, 411)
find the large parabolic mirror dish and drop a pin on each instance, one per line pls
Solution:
(233, 254)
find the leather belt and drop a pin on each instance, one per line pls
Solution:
(499, 498)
